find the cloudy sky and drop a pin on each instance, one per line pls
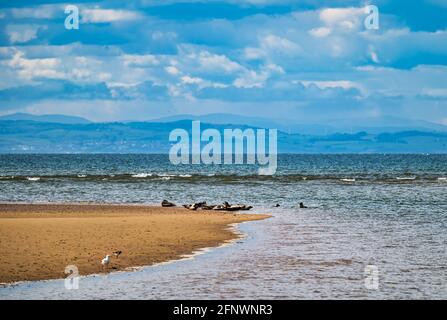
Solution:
(299, 60)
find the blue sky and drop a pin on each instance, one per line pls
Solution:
(303, 60)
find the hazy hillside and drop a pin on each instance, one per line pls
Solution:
(371, 125)
(152, 137)
(375, 125)
(54, 118)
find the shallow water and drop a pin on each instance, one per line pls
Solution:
(399, 226)
(296, 254)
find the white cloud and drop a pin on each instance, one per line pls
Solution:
(191, 80)
(108, 15)
(86, 75)
(159, 35)
(172, 70)
(344, 18)
(81, 73)
(75, 69)
(344, 84)
(337, 15)
(272, 45)
(34, 68)
(250, 79)
(309, 44)
(140, 60)
(257, 79)
(21, 33)
(254, 53)
(214, 62)
(418, 81)
(320, 32)
(174, 91)
(279, 44)
(253, 79)
(273, 68)
(201, 83)
(37, 12)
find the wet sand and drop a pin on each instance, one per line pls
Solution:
(38, 241)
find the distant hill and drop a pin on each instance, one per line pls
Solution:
(280, 124)
(371, 125)
(153, 137)
(52, 118)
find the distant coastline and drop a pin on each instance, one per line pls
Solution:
(61, 134)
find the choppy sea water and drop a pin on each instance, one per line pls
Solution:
(393, 216)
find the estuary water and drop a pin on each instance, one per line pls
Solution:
(386, 212)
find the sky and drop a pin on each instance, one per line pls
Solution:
(303, 60)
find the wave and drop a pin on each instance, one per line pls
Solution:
(162, 175)
(228, 178)
(142, 175)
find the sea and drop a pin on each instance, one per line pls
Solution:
(375, 226)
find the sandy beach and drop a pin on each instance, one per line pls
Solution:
(38, 241)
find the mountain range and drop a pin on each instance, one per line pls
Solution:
(371, 125)
(23, 133)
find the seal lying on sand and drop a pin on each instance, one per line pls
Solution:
(221, 207)
(166, 203)
(228, 207)
(193, 206)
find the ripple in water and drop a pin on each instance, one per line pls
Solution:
(297, 254)
(320, 252)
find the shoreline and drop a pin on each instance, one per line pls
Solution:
(38, 241)
(189, 256)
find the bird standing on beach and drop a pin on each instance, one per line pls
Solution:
(105, 262)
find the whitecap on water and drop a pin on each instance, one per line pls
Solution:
(32, 178)
(166, 175)
(347, 180)
(142, 175)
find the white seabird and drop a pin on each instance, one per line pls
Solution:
(105, 262)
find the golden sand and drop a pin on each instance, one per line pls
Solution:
(38, 241)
